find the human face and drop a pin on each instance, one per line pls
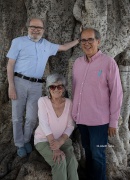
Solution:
(56, 90)
(90, 47)
(36, 29)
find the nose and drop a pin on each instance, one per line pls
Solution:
(35, 29)
(56, 88)
(86, 43)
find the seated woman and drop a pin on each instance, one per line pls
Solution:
(55, 126)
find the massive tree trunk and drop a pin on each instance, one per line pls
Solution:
(63, 19)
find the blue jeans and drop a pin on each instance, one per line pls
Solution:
(94, 141)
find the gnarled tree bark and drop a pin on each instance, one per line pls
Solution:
(63, 19)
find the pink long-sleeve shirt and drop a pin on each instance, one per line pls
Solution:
(49, 123)
(97, 91)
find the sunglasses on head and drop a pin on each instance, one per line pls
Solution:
(59, 87)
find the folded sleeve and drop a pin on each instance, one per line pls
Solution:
(14, 50)
(54, 48)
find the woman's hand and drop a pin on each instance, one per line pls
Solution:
(55, 144)
(58, 155)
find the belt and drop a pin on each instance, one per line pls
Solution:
(29, 78)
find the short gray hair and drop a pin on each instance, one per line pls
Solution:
(30, 19)
(96, 32)
(53, 78)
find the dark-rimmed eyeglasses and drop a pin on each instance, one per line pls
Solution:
(39, 28)
(89, 40)
(59, 87)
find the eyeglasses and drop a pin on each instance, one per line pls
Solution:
(39, 28)
(53, 87)
(89, 40)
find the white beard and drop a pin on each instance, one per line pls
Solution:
(35, 39)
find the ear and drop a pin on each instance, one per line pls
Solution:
(98, 42)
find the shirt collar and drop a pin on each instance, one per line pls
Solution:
(34, 41)
(94, 56)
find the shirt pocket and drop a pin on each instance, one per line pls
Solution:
(94, 77)
(97, 79)
(45, 53)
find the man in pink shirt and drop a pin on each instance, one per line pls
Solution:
(97, 99)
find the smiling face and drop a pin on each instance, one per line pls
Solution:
(35, 29)
(56, 90)
(90, 47)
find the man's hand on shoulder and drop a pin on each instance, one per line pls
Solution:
(111, 131)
